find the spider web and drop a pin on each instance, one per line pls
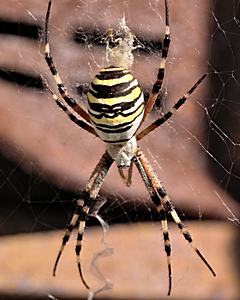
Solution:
(46, 160)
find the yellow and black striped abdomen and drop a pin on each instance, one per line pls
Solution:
(115, 104)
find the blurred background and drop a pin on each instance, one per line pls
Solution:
(45, 160)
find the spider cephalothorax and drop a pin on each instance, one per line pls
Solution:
(116, 111)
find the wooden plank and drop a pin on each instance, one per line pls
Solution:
(137, 267)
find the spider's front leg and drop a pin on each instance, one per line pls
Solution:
(165, 207)
(161, 71)
(82, 208)
(62, 89)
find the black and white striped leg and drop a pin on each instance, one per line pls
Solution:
(162, 201)
(90, 194)
(69, 100)
(160, 76)
(64, 108)
(188, 237)
(169, 114)
(162, 216)
(66, 237)
(169, 209)
(82, 208)
(167, 246)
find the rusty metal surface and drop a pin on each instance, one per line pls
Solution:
(137, 268)
(40, 139)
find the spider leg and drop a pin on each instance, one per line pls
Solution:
(167, 246)
(162, 201)
(90, 194)
(65, 239)
(169, 114)
(158, 84)
(48, 57)
(81, 228)
(73, 118)
(162, 215)
(82, 208)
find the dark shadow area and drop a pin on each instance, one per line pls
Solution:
(97, 38)
(19, 29)
(224, 105)
(31, 203)
(225, 112)
(19, 78)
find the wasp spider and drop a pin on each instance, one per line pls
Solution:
(116, 111)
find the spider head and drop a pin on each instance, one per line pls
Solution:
(122, 153)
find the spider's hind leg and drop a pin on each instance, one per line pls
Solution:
(82, 208)
(165, 207)
(188, 237)
(162, 213)
(167, 245)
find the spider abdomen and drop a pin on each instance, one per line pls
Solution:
(115, 104)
